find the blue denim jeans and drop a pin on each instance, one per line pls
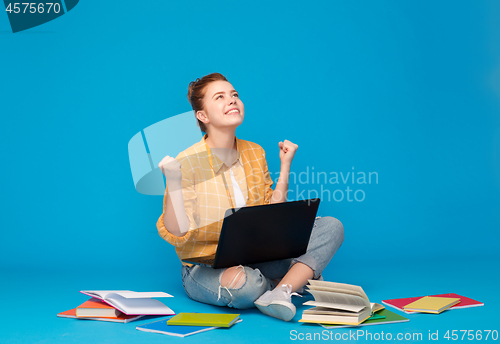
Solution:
(203, 284)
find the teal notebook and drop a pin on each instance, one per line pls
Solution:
(161, 326)
(376, 316)
(204, 319)
(381, 317)
(172, 330)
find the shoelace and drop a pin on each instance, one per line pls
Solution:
(287, 290)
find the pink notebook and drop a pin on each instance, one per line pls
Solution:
(465, 302)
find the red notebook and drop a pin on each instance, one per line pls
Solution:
(465, 302)
(96, 308)
(122, 318)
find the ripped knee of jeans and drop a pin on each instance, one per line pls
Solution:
(232, 278)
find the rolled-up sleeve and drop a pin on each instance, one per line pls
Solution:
(268, 181)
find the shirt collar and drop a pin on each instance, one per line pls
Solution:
(217, 163)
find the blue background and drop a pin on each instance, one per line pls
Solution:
(407, 89)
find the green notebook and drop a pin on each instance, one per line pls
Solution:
(204, 319)
(389, 318)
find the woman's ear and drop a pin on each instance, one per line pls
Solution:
(202, 116)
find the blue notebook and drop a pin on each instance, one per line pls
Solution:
(173, 330)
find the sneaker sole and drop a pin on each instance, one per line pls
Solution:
(278, 310)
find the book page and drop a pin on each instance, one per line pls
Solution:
(101, 294)
(326, 296)
(128, 294)
(328, 311)
(138, 306)
(138, 295)
(336, 306)
(341, 287)
(376, 307)
(335, 290)
(335, 319)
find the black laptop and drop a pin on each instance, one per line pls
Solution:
(262, 233)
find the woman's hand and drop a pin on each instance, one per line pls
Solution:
(171, 168)
(287, 151)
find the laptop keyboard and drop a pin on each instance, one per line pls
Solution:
(208, 261)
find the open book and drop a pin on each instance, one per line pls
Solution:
(131, 302)
(338, 303)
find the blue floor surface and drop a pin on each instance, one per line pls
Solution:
(31, 300)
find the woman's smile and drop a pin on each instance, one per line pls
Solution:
(233, 111)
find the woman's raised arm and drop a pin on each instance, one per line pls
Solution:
(174, 218)
(287, 152)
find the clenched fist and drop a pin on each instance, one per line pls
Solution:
(171, 168)
(287, 151)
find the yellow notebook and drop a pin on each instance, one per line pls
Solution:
(431, 304)
(204, 319)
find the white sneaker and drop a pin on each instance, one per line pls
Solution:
(277, 303)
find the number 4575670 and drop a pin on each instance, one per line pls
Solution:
(471, 335)
(33, 7)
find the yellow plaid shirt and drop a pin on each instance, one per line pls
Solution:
(206, 197)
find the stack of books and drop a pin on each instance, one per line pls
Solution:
(186, 324)
(118, 306)
(339, 304)
(432, 304)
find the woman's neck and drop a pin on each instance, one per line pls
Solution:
(223, 144)
(221, 140)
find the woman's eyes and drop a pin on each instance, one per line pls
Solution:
(234, 95)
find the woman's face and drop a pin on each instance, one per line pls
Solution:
(223, 106)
